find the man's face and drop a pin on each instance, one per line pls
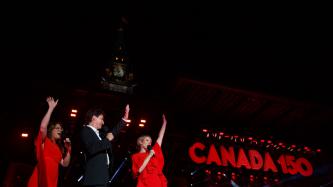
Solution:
(98, 121)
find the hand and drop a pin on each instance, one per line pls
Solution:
(127, 109)
(68, 145)
(109, 136)
(151, 153)
(164, 119)
(51, 102)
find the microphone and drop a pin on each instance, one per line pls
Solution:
(105, 129)
(67, 144)
(65, 135)
(150, 148)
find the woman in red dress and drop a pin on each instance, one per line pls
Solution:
(49, 151)
(147, 164)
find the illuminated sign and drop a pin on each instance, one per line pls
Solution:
(250, 159)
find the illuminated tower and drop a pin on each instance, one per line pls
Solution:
(118, 73)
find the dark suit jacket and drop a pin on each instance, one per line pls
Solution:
(96, 169)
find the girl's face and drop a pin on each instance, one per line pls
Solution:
(145, 142)
(56, 132)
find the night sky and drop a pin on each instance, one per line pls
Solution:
(285, 52)
(275, 52)
(278, 53)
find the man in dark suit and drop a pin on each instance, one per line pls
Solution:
(96, 147)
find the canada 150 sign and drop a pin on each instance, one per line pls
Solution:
(253, 159)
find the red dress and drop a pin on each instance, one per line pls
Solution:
(45, 173)
(152, 175)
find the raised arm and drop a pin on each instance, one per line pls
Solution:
(161, 133)
(126, 113)
(116, 129)
(46, 119)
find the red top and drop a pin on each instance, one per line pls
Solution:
(152, 175)
(45, 173)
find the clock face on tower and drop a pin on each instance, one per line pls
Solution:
(119, 70)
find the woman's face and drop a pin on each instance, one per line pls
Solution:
(145, 142)
(56, 132)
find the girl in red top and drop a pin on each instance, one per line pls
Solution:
(48, 151)
(147, 164)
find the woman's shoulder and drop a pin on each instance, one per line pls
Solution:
(136, 155)
(157, 146)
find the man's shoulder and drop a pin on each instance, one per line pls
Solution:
(85, 129)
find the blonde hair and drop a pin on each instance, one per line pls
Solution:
(140, 139)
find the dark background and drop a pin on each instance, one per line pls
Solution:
(278, 50)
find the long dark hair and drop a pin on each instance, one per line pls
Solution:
(50, 128)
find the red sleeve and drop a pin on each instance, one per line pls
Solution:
(157, 149)
(135, 166)
(159, 155)
(38, 144)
